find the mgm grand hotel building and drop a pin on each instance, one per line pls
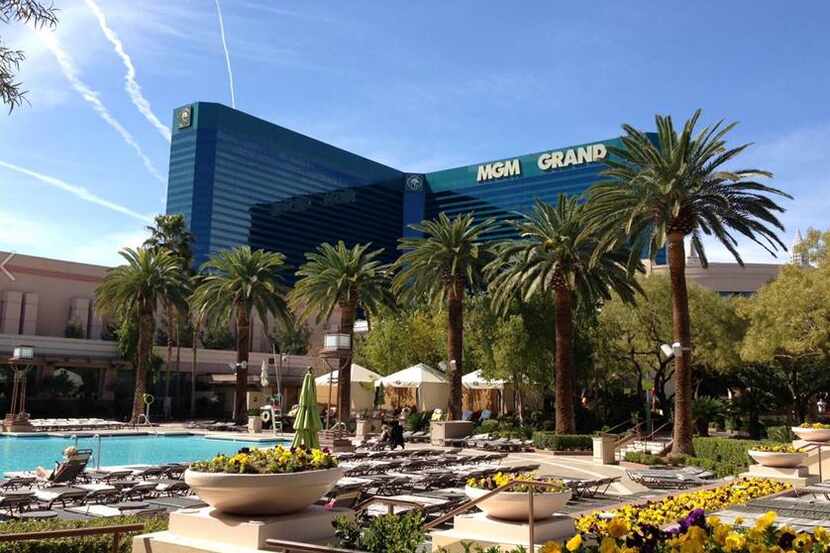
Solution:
(241, 180)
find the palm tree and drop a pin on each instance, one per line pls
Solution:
(135, 290)
(441, 265)
(658, 192)
(347, 279)
(236, 283)
(197, 320)
(556, 255)
(169, 232)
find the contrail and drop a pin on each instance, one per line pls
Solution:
(91, 96)
(227, 54)
(77, 191)
(130, 83)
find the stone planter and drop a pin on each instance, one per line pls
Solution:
(812, 434)
(262, 494)
(514, 506)
(254, 424)
(777, 460)
(604, 449)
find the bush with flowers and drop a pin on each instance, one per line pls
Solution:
(673, 508)
(276, 460)
(696, 533)
(500, 479)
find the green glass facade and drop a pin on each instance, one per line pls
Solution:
(241, 180)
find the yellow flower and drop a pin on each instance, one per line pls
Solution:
(802, 541)
(574, 543)
(734, 542)
(608, 545)
(618, 527)
(719, 534)
(551, 547)
(821, 534)
(696, 534)
(630, 550)
(766, 520)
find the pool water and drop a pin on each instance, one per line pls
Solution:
(28, 453)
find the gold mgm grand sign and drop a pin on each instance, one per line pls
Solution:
(546, 161)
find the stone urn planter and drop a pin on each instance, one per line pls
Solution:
(514, 506)
(254, 424)
(262, 494)
(777, 460)
(812, 434)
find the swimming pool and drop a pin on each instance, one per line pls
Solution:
(27, 453)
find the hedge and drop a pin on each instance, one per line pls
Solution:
(724, 456)
(88, 544)
(562, 442)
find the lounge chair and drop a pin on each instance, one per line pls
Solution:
(666, 479)
(149, 472)
(172, 487)
(100, 493)
(16, 500)
(16, 482)
(60, 494)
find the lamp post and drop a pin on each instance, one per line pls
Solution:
(338, 345)
(17, 420)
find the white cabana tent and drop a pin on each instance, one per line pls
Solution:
(362, 388)
(432, 390)
(481, 393)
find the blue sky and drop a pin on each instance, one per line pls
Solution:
(419, 86)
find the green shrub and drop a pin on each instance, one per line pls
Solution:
(562, 442)
(416, 421)
(780, 434)
(643, 458)
(89, 544)
(489, 426)
(724, 456)
(384, 534)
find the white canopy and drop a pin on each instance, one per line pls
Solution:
(359, 374)
(476, 381)
(413, 377)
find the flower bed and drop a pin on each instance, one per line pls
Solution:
(673, 508)
(776, 448)
(698, 534)
(277, 460)
(512, 504)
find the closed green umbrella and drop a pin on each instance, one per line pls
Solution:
(307, 422)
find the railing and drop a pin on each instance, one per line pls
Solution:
(116, 531)
(654, 433)
(629, 435)
(531, 484)
(816, 446)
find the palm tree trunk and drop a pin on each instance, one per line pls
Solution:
(243, 341)
(455, 344)
(344, 368)
(682, 439)
(196, 325)
(146, 330)
(169, 311)
(565, 423)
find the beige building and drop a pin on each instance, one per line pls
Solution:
(49, 304)
(727, 278)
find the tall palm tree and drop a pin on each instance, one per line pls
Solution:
(659, 192)
(170, 232)
(235, 284)
(556, 256)
(135, 289)
(338, 277)
(441, 265)
(197, 320)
